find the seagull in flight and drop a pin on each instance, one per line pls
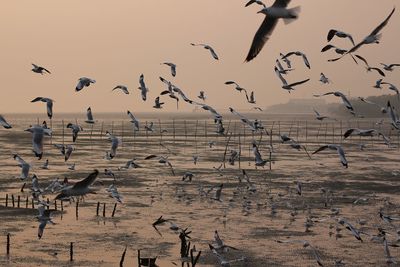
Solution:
(300, 54)
(39, 69)
(272, 14)
(285, 85)
(378, 84)
(237, 86)
(123, 88)
(394, 118)
(202, 96)
(115, 141)
(83, 82)
(372, 38)
(305, 244)
(4, 123)
(389, 67)
(134, 121)
(163, 160)
(44, 218)
(392, 87)
(143, 87)
(362, 99)
(323, 79)
(346, 102)
(332, 33)
(359, 132)
(80, 188)
(250, 99)
(339, 150)
(25, 167)
(212, 51)
(172, 67)
(281, 69)
(258, 159)
(253, 125)
(369, 68)
(89, 116)
(38, 133)
(49, 104)
(75, 130)
(170, 91)
(258, 2)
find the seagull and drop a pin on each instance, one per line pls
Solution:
(39, 69)
(214, 55)
(389, 67)
(287, 86)
(75, 130)
(372, 38)
(272, 14)
(258, 159)
(83, 82)
(109, 172)
(202, 96)
(219, 245)
(24, 167)
(250, 99)
(112, 189)
(378, 84)
(370, 68)
(187, 175)
(157, 103)
(115, 141)
(216, 115)
(44, 217)
(123, 88)
(338, 50)
(172, 67)
(80, 188)
(323, 79)
(394, 119)
(71, 167)
(258, 2)
(346, 102)
(306, 244)
(332, 33)
(300, 54)
(234, 155)
(49, 104)
(89, 116)
(4, 123)
(222, 261)
(35, 185)
(318, 116)
(285, 138)
(134, 121)
(389, 258)
(359, 132)
(387, 218)
(339, 150)
(68, 152)
(220, 126)
(38, 133)
(162, 159)
(170, 91)
(280, 67)
(258, 108)
(237, 87)
(143, 87)
(149, 128)
(287, 61)
(392, 87)
(253, 125)
(383, 109)
(351, 228)
(130, 164)
(297, 146)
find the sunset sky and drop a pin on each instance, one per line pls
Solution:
(114, 42)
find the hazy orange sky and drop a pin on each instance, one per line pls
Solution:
(114, 42)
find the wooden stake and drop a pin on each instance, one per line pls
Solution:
(8, 244)
(71, 251)
(104, 209)
(113, 212)
(97, 209)
(6, 200)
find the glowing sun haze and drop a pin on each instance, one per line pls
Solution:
(114, 42)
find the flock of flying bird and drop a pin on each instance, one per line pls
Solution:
(272, 14)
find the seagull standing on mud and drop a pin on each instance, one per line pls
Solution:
(272, 14)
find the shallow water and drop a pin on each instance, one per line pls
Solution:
(243, 219)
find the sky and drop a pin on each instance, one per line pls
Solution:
(114, 42)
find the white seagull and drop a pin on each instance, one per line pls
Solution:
(134, 121)
(212, 51)
(300, 54)
(39, 69)
(4, 123)
(89, 116)
(123, 88)
(38, 133)
(332, 33)
(75, 130)
(285, 85)
(339, 150)
(272, 14)
(83, 82)
(25, 167)
(143, 87)
(49, 104)
(80, 188)
(346, 102)
(172, 67)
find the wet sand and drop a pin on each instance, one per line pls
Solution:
(243, 219)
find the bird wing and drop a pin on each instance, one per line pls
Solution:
(348, 132)
(37, 140)
(280, 76)
(298, 83)
(327, 47)
(150, 157)
(331, 34)
(320, 149)
(262, 35)
(363, 59)
(87, 181)
(49, 105)
(4, 123)
(214, 55)
(383, 24)
(39, 98)
(306, 62)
